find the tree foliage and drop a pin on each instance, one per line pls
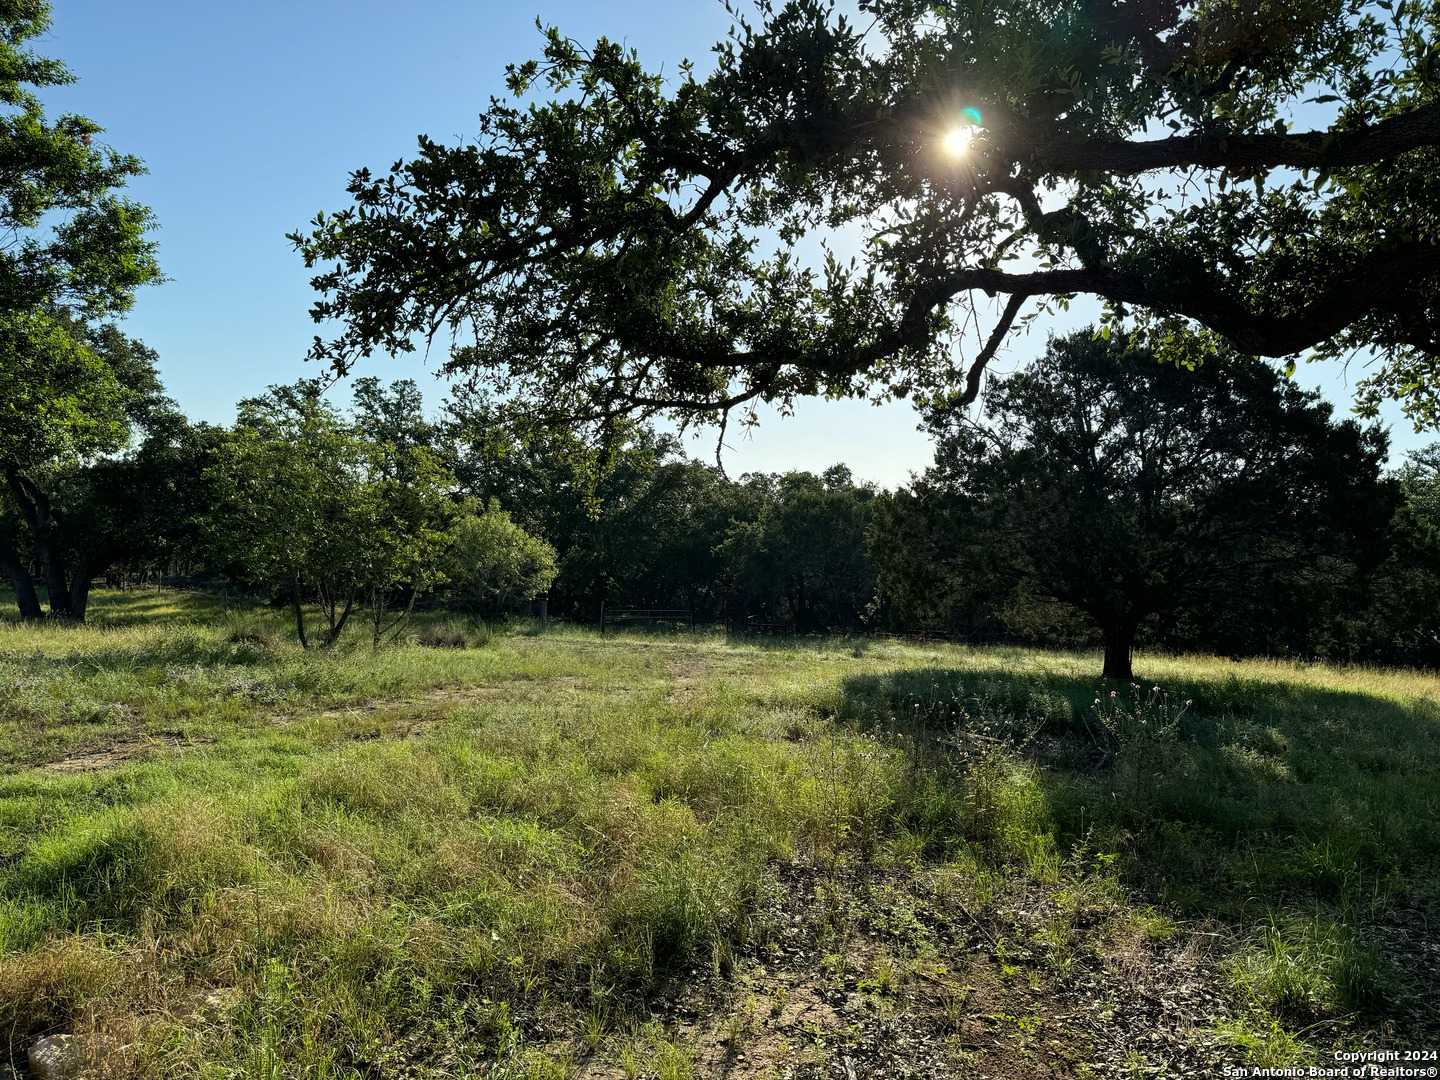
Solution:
(308, 504)
(75, 397)
(802, 561)
(493, 560)
(615, 243)
(1130, 490)
(77, 243)
(75, 252)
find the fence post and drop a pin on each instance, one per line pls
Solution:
(602, 618)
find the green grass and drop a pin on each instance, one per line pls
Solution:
(277, 862)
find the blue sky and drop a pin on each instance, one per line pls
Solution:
(250, 117)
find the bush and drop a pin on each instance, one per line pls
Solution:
(454, 634)
(248, 628)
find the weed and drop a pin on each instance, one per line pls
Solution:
(777, 1000)
(884, 979)
(451, 634)
(1152, 926)
(595, 1026)
(1266, 1042)
(953, 1000)
(1307, 967)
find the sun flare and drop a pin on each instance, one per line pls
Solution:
(956, 141)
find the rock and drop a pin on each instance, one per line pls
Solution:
(57, 1057)
(219, 1006)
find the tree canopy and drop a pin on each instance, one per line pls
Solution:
(802, 561)
(493, 560)
(1129, 489)
(75, 395)
(75, 241)
(75, 251)
(618, 243)
(307, 502)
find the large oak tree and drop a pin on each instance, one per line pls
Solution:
(72, 398)
(616, 242)
(1132, 491)
(74, 252)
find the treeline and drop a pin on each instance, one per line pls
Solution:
(1102, 498)
(364, 512)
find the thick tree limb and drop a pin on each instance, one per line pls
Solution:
(1373, 282)
(1040, 148)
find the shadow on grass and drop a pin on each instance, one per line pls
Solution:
(134, 607)
(1303, 818)
(1224, 791)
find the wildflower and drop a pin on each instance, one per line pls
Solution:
(1112, 693)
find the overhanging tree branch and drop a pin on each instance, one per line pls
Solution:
(1041, 148)
(607, 251)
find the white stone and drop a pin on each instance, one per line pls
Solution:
(219, 1006)
(56, 1058)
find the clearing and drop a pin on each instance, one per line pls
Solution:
(548, 855)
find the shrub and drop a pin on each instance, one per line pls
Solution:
(248, 628)
(455, 634)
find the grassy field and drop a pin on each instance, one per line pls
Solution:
(548, 855)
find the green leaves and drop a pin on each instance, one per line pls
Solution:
(493, 559)
(60, 401)
(79, 243)
(622, 246)
(305, 497)
(1127, 489)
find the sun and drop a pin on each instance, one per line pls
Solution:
(956, 141)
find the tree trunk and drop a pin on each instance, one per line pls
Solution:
(378, 607)
(19, 574)
(299, 616)
(40, 516)
(80, 589)
(1119, 644)
(337, 626)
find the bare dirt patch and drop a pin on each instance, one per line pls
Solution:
(869, 974)
(93, 757)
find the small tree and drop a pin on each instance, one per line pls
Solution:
(493, 559)
(1130, 489)
(312, 506)
(409, 507)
